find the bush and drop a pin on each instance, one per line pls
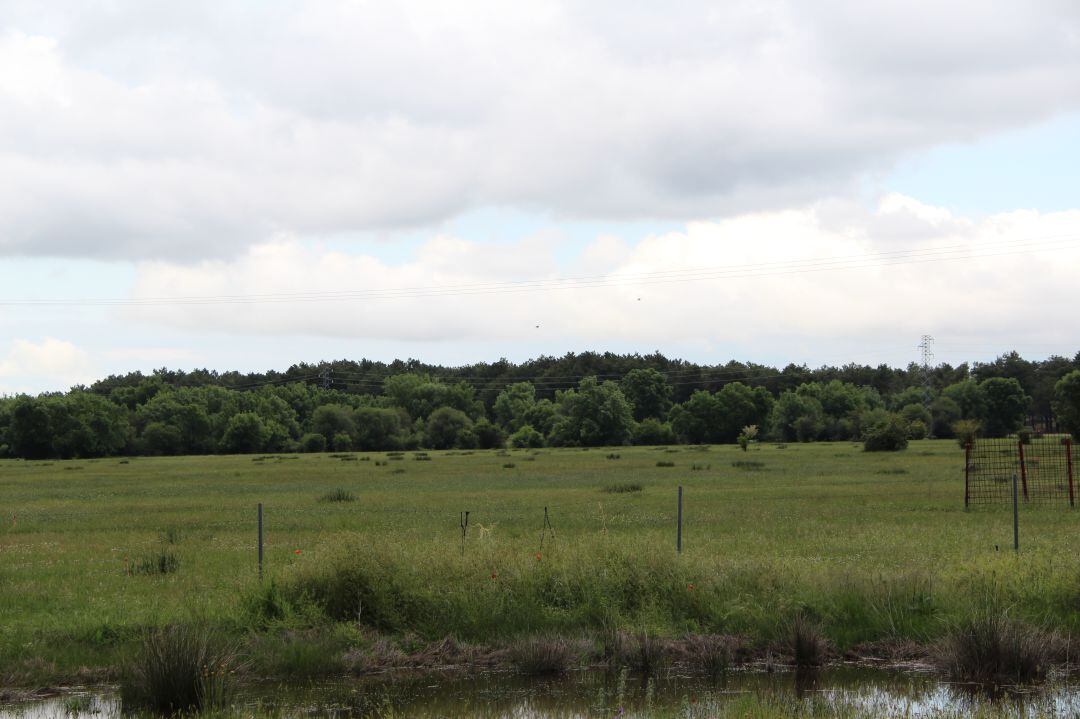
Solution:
(887, 435)
(488, 435)
(313, 442)
(526, 438)
(653, 432)
(916, 429)
(966, 431)
(445, 427)
(342, 442)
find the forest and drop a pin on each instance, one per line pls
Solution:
(586, 399)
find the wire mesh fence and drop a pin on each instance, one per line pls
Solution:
(1042, 467)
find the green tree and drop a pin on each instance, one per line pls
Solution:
(648, 393)
(160, 438)
(797, 417)
(333, 419)
(245, 432)
(944, 414)
(595, 414)
(698, 419)
(1006, 406)
(969, 397)
(444, 426)
(513, 404)
(1067, 402)
(30, 431)
(378, 429)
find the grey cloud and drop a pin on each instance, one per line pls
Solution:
(152, 132)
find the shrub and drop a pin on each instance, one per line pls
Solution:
(488, 435)
(665, 464)
(888, 434)
(342, 442)
(526, 438)
(749, 465)
(313, 442)
(917, 429)
(178, 669)
(965, 431)
(653, 432)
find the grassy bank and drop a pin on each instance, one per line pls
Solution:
(871, 547)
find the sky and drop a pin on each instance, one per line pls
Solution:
(248, 185)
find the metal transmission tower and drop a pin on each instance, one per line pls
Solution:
(927, 348)
(327, 380)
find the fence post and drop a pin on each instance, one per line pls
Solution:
(1068, 467)
(1023, 468)
(678, 532)
(967, 473)
(260, 543)
(1016, 517)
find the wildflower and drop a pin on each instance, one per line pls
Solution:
(493, 576)
(296, 551)
(690, 587)
(538, 556)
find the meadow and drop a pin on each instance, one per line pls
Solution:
(875, 548)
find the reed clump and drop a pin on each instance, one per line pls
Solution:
(547, 655)
(994, 648)
(179, 669)
(804, 640)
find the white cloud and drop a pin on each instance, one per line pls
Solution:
(137, 130)
(32, 366)
(766, 306)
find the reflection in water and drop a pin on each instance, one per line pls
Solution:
(594, 694)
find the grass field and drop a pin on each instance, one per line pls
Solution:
(875, 547)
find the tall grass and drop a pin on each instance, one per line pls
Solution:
(178, 669)
(993, 648)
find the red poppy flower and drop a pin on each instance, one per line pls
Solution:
(296, 551)
(493, 576)
(690, 587)
(538, 556)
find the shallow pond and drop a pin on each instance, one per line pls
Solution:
(846, 692)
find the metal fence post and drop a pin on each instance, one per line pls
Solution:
(1016, 516)
(678, 532)
(260, 543)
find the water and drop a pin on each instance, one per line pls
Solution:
(844, 691)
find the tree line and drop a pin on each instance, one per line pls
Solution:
(587, 399)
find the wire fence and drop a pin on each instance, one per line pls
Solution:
(1042, 468)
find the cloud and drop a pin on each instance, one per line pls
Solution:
(758, 284)
(139, 131)
(30, 366)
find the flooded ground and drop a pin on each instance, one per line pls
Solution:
(841, 692)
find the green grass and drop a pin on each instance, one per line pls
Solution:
(821, 530)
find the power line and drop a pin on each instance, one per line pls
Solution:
(745, 271)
